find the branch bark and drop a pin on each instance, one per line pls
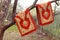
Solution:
(33, 5)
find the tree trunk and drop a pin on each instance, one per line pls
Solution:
(1, 35)
(3, 13)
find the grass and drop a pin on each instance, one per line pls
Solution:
(13, 28)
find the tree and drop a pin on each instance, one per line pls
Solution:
(3, 13)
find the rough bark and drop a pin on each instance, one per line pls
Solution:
(1, 34)
(3, 13)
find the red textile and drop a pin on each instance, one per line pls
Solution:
(25, 22)
(44, 13)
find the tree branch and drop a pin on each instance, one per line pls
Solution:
(33, 5)
(14, 9)
(8, 25)
(13, 15)
(54, 1)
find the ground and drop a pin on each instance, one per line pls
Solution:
(14, 35)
